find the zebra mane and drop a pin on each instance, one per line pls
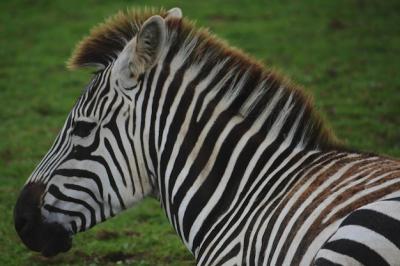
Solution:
(108, 39)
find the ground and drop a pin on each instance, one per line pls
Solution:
(344, 52)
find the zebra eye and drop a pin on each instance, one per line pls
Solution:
(83, 128)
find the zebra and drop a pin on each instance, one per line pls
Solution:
(244, 167)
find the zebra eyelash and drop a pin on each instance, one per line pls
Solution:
(131, 88)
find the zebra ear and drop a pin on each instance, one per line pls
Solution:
(175, 12)
(149, 43)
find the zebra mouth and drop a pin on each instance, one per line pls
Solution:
(59, 240)
(47, 238)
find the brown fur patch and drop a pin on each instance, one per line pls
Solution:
(322, 221)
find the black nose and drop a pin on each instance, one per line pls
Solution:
(27, 217)
(35, 233)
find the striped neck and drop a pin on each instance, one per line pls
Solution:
(211, 120)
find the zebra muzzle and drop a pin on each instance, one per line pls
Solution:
(47, 238)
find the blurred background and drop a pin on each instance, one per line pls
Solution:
(345, 52)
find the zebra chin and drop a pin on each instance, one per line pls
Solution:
(38, 235)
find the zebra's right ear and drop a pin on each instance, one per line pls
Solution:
(149, 43)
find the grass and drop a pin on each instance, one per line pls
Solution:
(344, 52)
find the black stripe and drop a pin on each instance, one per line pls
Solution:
(105, 112)
(357, 251)
(110, 205)
(325, 262)
(113, 127)
(130, 141)
(91, 90)
(109, 172)
(149, 81)
(393, 199)
(74, 227)
(102, 104)
(134, 151)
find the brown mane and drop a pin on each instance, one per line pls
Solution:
(108, 39)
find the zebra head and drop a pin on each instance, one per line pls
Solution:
(95, 168)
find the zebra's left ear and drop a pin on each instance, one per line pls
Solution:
(149, 43)
(175, 12)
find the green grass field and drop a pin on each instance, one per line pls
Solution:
(345, 52)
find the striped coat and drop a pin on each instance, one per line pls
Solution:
(243, 165)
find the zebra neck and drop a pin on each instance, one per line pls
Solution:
(215, 129)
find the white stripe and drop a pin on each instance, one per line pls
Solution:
(386, 207)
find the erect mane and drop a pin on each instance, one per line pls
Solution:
(108, 39)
